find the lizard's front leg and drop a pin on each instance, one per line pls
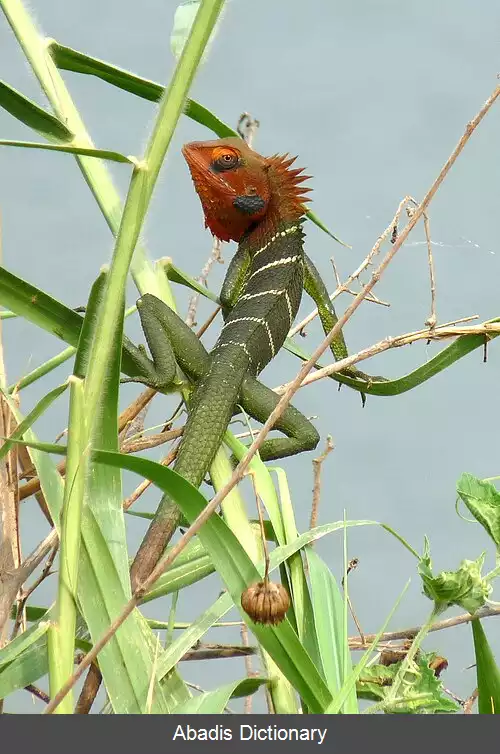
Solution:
(160, 371)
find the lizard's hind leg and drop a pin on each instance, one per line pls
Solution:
(259, 401)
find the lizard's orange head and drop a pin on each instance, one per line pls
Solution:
(238, 188)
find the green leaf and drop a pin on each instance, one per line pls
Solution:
(176, 275)
(192, 565)
(22, 642)
(28, 667)
(39, 308)
(103, 154)
(72, 60)
(215, 702)
(46, 312)
(321, 225)
(40, 408)
(488, 673)
(464, 587)
(328, 609)
(483, 501)
(32, 115)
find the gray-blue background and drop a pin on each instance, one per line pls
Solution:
(373, 96)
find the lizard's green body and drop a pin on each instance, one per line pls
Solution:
(262, 207)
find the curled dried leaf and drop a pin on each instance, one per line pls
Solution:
(438, 664)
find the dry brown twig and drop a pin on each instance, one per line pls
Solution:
(25, 595)
(351, 566)
(410, 633)
(367, 262)
(249, 672)
(215, 256)
(10, 541)
(242, 466)
(437, 333)
(432, 321)
(372, 298)
(469, 703)
(317, 465)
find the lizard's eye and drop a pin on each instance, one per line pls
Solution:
(225, 159)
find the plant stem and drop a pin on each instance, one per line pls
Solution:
(408, 660)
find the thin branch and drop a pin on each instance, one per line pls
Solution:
(351, 566)
(367, 261)
(437, 333)
(89, 691)
(317, 464)
(27, 594)
(431, 322)
(219, 652)
(215, 256)
(249, 671)
(410, 633)
(37, 692)
(469, 703)
(150, 441)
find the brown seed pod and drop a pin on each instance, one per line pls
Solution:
(265, 602)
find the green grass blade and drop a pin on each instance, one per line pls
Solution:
(103, 154)
(71, 60)
(192, 565)
(62, 631)
(176, 275)
(46, 312)
(42, 370)
(321, 225)
(39, 308)
(22, 642)
(215, 702)
(27, 668)
(328, 610)
(488, 673)
(263, 485)
(65, 58)
(40, 408)
(198, 628)
(32, 115)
